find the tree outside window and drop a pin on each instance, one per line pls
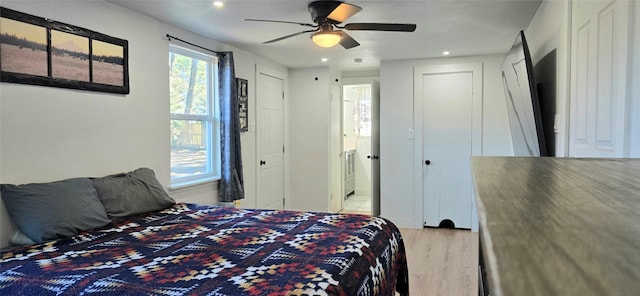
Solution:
(194, 121)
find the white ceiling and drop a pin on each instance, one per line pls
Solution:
(462, 27)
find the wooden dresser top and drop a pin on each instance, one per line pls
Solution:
(559, 226)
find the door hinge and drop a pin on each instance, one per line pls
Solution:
(282, 148)
(283, 95)
(283, 203)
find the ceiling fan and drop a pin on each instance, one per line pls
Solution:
(327, 16)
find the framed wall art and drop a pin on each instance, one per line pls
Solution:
(40, 51)
(243, 101)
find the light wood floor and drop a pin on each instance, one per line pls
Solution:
(355, 212)
(441, 261)
(357, 202)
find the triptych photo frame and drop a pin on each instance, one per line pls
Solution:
(40, 51)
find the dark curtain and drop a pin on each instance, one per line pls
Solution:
(231, 185)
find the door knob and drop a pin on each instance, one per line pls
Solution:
(376, 157)
(262, 162)
(369, 156)
(427, 162)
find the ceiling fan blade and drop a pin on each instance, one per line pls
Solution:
(381, 27)
(343, 12)
(348, 42)
(285, 22)
(289, 36)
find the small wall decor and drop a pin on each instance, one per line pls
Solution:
(40, 51)
(243, 100)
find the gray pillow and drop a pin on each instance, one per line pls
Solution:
(132, 193)
(47, 211)
(20, 239)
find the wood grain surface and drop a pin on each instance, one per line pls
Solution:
(441, 261)
(559, 226)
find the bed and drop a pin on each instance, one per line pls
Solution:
(189, 249)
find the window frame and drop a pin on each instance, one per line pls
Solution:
(211, 120)
(362, 110)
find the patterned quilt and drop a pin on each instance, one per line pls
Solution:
(200, 250)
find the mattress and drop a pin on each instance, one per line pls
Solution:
(191, 249)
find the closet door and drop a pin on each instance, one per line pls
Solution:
(598, 80)
(270, 102)
(448, 132)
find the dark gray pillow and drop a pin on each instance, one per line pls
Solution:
(132, 193)
(47, 211)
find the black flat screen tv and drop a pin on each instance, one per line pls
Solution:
(523, 105)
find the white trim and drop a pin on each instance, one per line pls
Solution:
(211, 120)
(187, 184)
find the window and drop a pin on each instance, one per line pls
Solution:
(195, 136)
(361, 96)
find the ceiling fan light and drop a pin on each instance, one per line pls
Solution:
(326, 39)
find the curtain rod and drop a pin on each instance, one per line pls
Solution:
(198, 46)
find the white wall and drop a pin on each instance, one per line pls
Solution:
(398, 199)
(49, 134)
(309, 126)
(634, 110)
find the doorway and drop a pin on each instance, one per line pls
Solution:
(360, 149)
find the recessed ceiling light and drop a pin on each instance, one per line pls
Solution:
(445, 53)
(218, 4)
(324, 59)
(357, 60)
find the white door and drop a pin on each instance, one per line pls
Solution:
(451, 118)
(270, 102)
(375, 148)
(598, 88)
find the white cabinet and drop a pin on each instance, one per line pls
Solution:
(599, 56)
